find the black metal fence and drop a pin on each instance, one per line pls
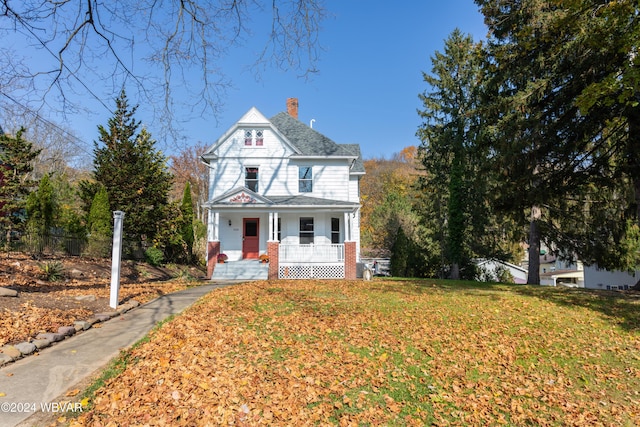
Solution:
(64, 244)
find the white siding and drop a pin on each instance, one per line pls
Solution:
(354, 188)
(596, 278)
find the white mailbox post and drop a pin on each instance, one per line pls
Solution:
(116, 255)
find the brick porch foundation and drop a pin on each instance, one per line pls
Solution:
(213, 249)
(273, 250)
(350, 260)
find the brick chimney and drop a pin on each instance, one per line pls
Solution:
(292, 107)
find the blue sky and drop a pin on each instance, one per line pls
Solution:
(370, 74)
(366, 91)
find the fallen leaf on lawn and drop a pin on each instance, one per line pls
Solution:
(72, 393)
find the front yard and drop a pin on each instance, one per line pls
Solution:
(383, 353)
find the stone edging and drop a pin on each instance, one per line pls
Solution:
(10, 353)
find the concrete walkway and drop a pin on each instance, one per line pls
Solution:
(32, 383)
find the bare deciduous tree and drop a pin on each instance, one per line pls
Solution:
(167, 50)
(187, 167)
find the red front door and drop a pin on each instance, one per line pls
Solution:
(250, 239)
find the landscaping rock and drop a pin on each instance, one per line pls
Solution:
(103, 317)
(75, 273)
(86, 298)
(82, 325)
(26, 348)
(67, 331)
(41, 343)
(11, 351)
(4, 359)
(6, 292)
(51, 336)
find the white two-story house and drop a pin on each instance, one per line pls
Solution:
(280, 188)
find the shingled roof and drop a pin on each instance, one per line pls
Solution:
(309, 141)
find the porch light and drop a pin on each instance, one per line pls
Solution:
(229, 223)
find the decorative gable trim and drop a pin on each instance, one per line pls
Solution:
(241, 196)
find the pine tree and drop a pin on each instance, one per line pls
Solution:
(16, 164)
(566, 122)
(134, 173)
(448, 136)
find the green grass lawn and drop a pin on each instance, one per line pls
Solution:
(385, 352)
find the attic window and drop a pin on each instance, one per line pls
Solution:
(253, 136)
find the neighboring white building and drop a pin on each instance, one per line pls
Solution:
(489, 271)
(596, 278)
(279, 187)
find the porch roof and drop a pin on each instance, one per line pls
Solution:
(246, 199)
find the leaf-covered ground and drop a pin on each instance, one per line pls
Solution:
(296, 353)
(43, 305)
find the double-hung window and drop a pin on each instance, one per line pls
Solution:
(305, 179)
(251, 178)
(335, 230)
(306, 230)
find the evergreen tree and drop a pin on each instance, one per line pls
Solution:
(100, 225)
(100, 215)
(41, 208)
(447, 152)
(187, 220)
(400, 252)
(16, 164)
(134, 173)
(566, 122)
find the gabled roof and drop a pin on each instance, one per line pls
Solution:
(309, 141)
(300, 138)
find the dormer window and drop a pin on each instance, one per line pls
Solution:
(253, 137)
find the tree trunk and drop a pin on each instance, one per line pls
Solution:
(455, 271)
(533, 277)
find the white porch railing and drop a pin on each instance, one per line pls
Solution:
(311, 253)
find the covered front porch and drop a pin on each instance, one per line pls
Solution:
(302, 237)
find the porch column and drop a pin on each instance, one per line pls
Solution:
(347, 227)
(275, 227)
(270, 238)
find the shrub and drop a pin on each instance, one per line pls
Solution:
(154, 256)
(52, 271)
